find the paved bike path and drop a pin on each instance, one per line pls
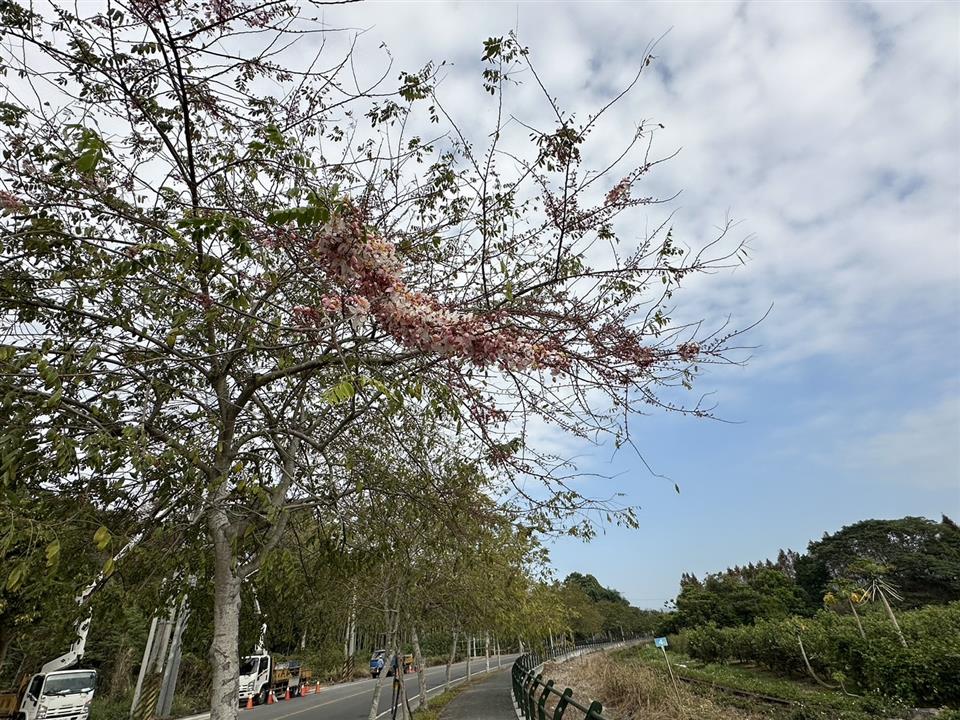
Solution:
(485, 699)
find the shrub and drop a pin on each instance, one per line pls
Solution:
(926, 672)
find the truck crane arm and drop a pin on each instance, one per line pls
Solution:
(262, 639)
(78, 646)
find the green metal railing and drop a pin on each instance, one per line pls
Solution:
(528, 683)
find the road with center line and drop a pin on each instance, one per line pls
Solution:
(351, 701)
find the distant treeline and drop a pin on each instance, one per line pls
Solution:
(596, 611)
(916, 557)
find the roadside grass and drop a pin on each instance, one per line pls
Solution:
(117, 707)
(810, 700)
(633, 691)
(438, 702)
(110, 708)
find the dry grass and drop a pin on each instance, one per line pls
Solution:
(635, 692)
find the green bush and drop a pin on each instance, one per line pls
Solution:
(707, 643)
(926, 672)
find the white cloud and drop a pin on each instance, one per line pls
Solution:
(921, 449)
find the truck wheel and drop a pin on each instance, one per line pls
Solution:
(264, 696)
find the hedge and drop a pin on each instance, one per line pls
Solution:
(926, 672)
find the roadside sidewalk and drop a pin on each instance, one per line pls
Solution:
(486, 699)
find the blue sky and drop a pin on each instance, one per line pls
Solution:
(831, 131)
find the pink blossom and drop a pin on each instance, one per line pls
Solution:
(619, 192)
(9, 201)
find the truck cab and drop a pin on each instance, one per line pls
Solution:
(255, 674)
(58, 695)
(260, 676)
(377, 661)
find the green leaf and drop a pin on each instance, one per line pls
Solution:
(53, 553)
(341, 392)
(101, 538)
(15, 578)
(54, 400)
(108, 567)
(87, 162)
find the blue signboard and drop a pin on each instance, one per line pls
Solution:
(660, 642)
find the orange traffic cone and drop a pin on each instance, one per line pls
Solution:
(317, 689)
(270, 699)
(250, 703)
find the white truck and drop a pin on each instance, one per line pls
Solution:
(56, 692)
(58, 695)
(60, 691)
(260, 676)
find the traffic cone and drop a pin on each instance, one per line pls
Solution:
(287, 694)
(270, 699)
(317, 688)
(250, 703)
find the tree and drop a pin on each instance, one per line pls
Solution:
(594, 590)
(873, 576)
(922, 558)
(847, 592)
(200, 306)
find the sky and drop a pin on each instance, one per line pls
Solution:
(831, 132)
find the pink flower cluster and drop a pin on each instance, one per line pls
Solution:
(619, 192)
(688, 351)
(9, 201)
(359, 260)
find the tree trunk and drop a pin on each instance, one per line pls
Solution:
(856, 616)
(421, 670)
(893, 618)
(7, 634)
(224, 650)
(453, 656)
(469, 656)
(389, 646)
(350, 639)
(806, 662)
(486, 649)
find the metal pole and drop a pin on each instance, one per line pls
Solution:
(169, 684)
(143, 665)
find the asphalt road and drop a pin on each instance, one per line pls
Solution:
(351, 701)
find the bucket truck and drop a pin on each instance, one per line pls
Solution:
(260, 675)
(59, 691)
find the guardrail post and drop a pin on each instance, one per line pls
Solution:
(541, 715)
(523, 699)
(532, 696)
(562, 704)
(515, 679)
(594, 711)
